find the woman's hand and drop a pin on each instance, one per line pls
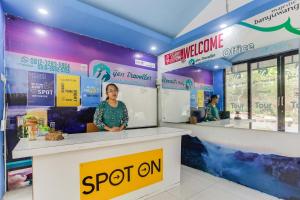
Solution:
(115, 129)
(122, 127)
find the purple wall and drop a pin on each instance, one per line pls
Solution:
(2, 172)
(37, 48)
(199, 75)
(58, 44)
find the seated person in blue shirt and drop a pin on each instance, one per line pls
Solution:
(212, 113)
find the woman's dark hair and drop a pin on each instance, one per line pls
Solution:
(212, 97)
(111, 84)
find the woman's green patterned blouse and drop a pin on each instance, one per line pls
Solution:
(107, 115)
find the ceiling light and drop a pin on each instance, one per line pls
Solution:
(227, 31)
(223, 25)
(40, 31)
(137, 55)
(153, 48)
(216, 67)
(43, 11)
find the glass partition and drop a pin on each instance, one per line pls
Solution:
(237, 90)
(260, 85)
(265, 90)
(291, 76)
(264, 94)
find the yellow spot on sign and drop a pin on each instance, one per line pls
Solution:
(109, 178)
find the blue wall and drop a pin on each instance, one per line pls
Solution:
(2, 38)
(219, 87)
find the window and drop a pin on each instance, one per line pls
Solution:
(264, 95)
(266, 90)
(291, 74)
(236, 90)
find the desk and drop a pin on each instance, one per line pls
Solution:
(57, 164)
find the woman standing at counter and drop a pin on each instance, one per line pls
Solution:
(111, 115)
(212, 113)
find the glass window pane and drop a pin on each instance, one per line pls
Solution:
(237, 91)
(291, 95)
(296, 58)
(264, 95)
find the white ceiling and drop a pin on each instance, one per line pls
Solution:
(215, 9)
(168, 17)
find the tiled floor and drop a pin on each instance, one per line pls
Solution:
(199, 185)
(194, 185)
(20, 194)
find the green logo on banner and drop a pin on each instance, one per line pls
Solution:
(287, 25)
(188, 84)
(100, 69)
(192, 61)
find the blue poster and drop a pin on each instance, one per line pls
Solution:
(90, 92)
(207, 95)
(16, 81)
(40, 89)
(194, 98)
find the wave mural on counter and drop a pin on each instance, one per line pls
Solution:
(272, 174)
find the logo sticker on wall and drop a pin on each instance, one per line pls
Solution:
(263, 72)
(101, 71)
(188, 84)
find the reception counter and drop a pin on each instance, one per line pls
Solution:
(267, 161)
(130, 164)
(238, 134)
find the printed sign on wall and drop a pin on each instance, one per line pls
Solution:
(68, 90)
(90, 92)
(42, 64)
(200, 98)
(117, 73)
(16, 88)
(40, 89)
(270, 27)
(109, 178)
(173, 81)
(193, 99)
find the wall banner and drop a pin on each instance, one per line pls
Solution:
(42, 64)
(173, 81)
(117, 73)
(275, 25)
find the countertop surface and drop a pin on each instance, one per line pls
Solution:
(243, 123)
(81, 141)
(226, 134)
